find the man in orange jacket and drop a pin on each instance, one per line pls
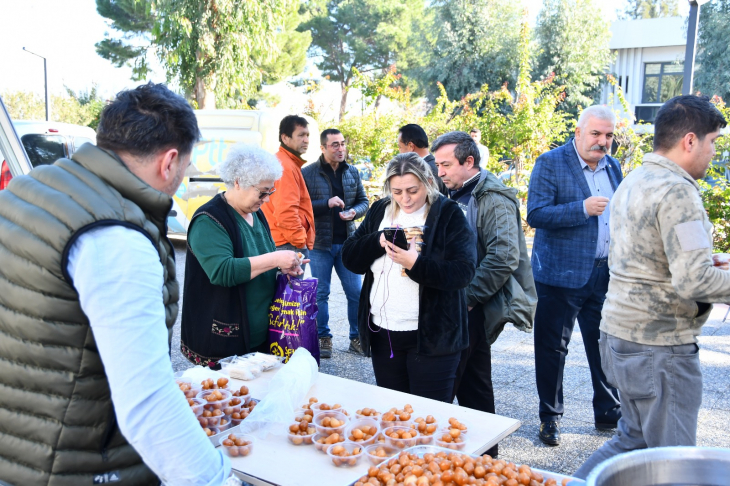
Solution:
(289, 210)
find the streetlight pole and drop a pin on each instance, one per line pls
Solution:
(45, 80)
(689, 54)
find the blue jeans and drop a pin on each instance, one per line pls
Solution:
(321, 264)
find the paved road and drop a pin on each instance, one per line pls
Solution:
(514, 381)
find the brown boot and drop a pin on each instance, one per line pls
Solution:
(325, 347)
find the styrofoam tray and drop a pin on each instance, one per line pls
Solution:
(425, 449)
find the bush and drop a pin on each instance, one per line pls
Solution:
(717, 197)
(516, 127)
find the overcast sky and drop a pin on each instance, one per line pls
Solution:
(65, 31)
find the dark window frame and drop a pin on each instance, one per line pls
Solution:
(660, 75)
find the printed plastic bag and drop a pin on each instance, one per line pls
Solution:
(287, 389)
(293, 317)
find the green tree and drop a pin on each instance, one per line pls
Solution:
(518, 127)
(219, 51)
(650, 9)
(363, 34)
(23, 105)
(133, 20)
(573, 41)
(476, 43)
(208, 46)
(291, 50)
(712, 76)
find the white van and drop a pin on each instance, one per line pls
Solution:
(46, 142)
(220, 129)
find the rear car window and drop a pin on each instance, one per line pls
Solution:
(44, 149)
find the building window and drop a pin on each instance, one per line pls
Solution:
(662, 81)
(646, 114)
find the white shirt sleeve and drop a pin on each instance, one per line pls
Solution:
(119, 278)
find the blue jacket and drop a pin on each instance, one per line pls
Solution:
(565, 242)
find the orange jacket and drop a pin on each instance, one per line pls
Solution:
(289, 210)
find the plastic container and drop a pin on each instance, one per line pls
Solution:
(394, 423)
(299, 416)
(238, 450)
(317, 411)
(454, 446)
(217, 404)
(372, 453)
(321, 429)
(359, 424)
(463, 431)
(198, 407)
(322, 447)
(375, 415)
(213, 421)
(426, 429)
(425, 439)
(213, 430)
(400, 443)
(301, 439)
(234, 407)
(349, 460)
(194, 389)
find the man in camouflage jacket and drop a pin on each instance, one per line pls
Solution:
(662, 284)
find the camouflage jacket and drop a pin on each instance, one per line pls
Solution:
(660, 258)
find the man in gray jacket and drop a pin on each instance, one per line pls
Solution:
(662, 285)
(338, 199)
(503, 289)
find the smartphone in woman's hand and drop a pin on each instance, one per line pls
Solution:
(396, 236)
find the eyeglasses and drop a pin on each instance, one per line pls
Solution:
(263, 194)
(337, 145)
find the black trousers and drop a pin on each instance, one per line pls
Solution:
(398, 367)
(473, 384)
(557, 310)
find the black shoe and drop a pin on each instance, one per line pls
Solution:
(606, 425)
(609, 420)
(355, 346)
(550, 433)
(325, 347)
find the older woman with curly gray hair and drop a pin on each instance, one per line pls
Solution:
(230, 271)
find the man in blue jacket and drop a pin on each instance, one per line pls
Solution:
(568, 205)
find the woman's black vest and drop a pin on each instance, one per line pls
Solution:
(214, 318)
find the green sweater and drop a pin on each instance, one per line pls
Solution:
(214, 249)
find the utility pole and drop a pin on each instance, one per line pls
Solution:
(689, 55)
(45, 80)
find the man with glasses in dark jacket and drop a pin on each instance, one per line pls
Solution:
(338, 199)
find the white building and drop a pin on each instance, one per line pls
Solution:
(649, 63)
